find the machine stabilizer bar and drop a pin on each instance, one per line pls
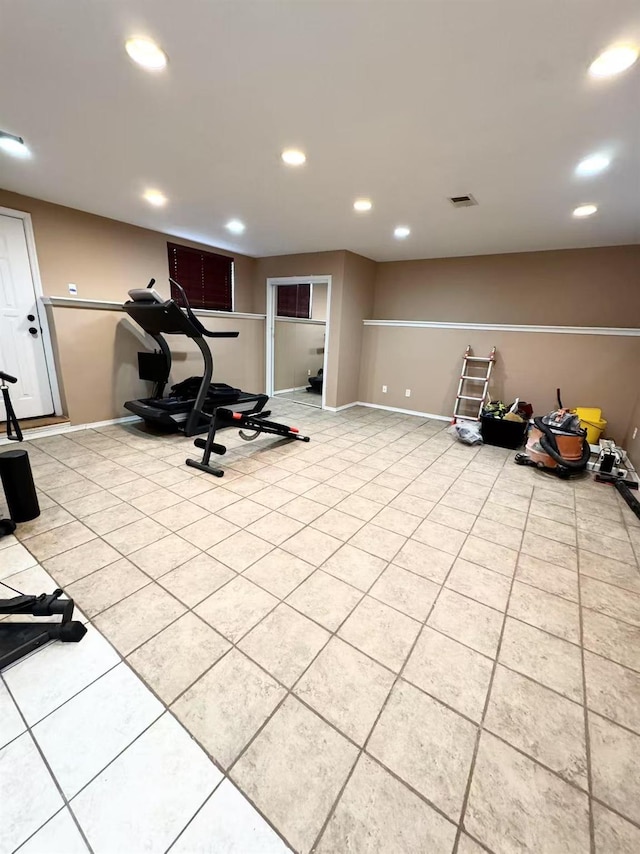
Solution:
(250, 427)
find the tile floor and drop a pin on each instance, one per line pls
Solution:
(379, 641)
(309, 398)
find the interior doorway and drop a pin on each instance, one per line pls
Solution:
(297, 338)
(24, 337)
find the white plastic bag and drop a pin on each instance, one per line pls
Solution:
(467, 432)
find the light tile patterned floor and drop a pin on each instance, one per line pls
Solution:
(385, 641)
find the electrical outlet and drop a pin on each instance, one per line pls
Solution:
(309, 372)
(384, 389)
(635, 433)
(407, 392)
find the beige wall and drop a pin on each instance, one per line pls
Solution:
(591, 370)
(298, 350)
(104, 257)
(633, 445)
(351, 301)
(572, 287)
(587, 287)
(309, 264)
(356, 304)
(96, 355)
(595, 287)
(319, 302)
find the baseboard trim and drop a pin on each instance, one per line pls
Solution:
(389, 409)
(67, 427)
(417, 412)
(340, 408)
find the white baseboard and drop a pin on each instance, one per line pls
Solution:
(403, 411)
(340, 408)
(59, 429)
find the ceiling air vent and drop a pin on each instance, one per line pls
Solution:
(462, 201)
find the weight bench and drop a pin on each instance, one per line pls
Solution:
(249, 426)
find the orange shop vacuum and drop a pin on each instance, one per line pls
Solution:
(557, 443)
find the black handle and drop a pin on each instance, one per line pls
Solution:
(33, 330)
(7, 378)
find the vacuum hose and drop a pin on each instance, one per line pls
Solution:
(549, 445)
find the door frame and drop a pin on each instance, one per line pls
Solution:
(41, 311)
(270, 327)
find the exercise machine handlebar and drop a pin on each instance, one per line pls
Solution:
(7, 378)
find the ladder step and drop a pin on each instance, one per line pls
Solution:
(475, 379)
(466, 418)
(466, 397)
(479, 359)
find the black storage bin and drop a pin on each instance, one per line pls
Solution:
(504, 434)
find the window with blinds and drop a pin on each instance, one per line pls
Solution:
(294, 301)
(206, 277)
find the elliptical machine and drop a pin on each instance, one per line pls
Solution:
(557, 443)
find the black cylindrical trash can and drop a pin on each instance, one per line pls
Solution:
(19, 489)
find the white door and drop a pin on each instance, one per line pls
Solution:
(21, 347)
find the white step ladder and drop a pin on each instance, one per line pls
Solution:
(468, 362)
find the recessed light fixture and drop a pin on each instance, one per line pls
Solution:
(293, 157)
(155, 198)
(401, 232)
(362, 205)
(593, 165)
(585, 210)
(235, 226)
(614, 61)
(13, 145)
(146, 53)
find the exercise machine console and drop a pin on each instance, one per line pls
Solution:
(190, 414)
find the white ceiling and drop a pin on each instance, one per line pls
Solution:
(405, 102)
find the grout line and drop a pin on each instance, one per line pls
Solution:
(467, 791)
(399, 459)
(398, 677)
(587, 736)
(65, 800)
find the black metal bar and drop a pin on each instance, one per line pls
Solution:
(197, 414)
(210, 446)
(12, 420)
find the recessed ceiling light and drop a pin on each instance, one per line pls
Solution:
(613, 61)
(401, 232)
(13, 145)
(146, 53)
(362, 205)
(235, 226)
(585, 210)
(155, 197)
(593, 165)
(293, 157)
